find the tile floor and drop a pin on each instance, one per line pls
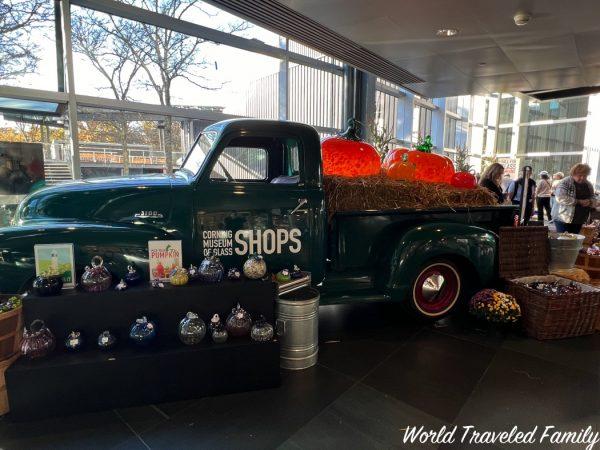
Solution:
(377, 373)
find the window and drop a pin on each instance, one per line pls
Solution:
(450, 133)
(198, 153)
(421, 122)
(504, 140)
(569, 108)
(241, 164)
(507, 109)
(561, 137)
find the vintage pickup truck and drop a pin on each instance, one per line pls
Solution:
(254, 186)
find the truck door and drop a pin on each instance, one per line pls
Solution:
(254, 200)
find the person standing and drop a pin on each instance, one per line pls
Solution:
(575, 199)
(556, 179)
(542, 196)
(515, 193)
(491, 179)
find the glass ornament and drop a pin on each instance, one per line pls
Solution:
(262, 331)
(96, 278)
(132, 277)
(179, 277)
(143, 331)
(238, 322)
(211, 270)
(106, 340)
(192, 329)
(74, 341)
(283, 276)
(217, 330)
(464, 180)
(234, 274)
(47, 285)
(38, 341)
(255, 267)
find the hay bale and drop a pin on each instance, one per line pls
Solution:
(382, 193)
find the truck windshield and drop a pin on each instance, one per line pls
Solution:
(199, 151)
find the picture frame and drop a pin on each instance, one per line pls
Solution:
(163, 257)
(56, 258)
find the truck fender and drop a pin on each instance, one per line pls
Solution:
(120, 244)
(472, 248)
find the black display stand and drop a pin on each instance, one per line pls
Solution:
(66, 383)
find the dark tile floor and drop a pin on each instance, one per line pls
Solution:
(377, 374)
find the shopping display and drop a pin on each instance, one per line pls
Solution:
(347, 155)
(47, 285)
(192, 329)
(38, 341)
(96, 278)
(74, 341)
(143, 331)
(255, 267)
(238, 322)
(211, 270)
(261, 331)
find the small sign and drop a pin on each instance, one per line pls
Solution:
(56, 259)
(164, 257)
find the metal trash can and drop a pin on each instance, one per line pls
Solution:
(298, 328)
(564, 251)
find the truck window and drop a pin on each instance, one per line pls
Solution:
(241, 164)
(198, 153)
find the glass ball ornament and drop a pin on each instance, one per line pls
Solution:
(192, 329)
(211, 270)
(193, 273)
(238, 322)
(74, 341)
(347, 155)
(179, 277)
(106, 340)
(96, 278)
(47, 285)
(262, 331)
(132, 277)
(283, 276)
(143, 331)
(255, 267)
(234, 274)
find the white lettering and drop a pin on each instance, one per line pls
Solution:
(242, 248)
(295, 234)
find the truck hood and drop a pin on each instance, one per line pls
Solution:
(115, 199)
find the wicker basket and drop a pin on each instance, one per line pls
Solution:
(590, 232)
(591, 264)
(523, 251)
(556, 316)
(11, 330)
(4, 406)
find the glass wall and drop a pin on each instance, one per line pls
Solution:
(507, 109)
(569, 108)
(504, 143)
(28, 44)
(561, 137)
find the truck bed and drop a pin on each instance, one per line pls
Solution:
(354, 235)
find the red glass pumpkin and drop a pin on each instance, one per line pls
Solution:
(465, 180)
(393, 156)
(347, 156)
(431, 167)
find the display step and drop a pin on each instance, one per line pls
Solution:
(70, 383)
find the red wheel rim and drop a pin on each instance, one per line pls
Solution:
(436, 289)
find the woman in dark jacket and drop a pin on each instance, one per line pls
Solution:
(492, 180)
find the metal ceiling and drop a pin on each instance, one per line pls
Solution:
(558, 49)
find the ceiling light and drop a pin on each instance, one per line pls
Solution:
(482, 64)
(522, 18)
(447, 32)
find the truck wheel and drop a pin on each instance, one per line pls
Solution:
(436, 289)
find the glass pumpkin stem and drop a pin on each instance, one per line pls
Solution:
(352, 133)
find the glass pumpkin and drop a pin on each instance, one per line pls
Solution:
(217, 330)
(46, 285)
(431, 167)
(74, 341)
(211, 270)
(402, 170)
(193, 273)
(255, 267)
(192, 329)
(283, 276)
(464, 180)
(347, 156)
(234, 274)
(38, 340)
(262, 331)
(238, 322)
(106, 340)
(96, 278)
(394, 155)
(132, 277)
(296, 273)
(179, 277)
(143, 331)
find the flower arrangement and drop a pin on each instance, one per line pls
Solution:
(494, 306)
(10, 304)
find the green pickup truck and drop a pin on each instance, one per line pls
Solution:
(255, 186)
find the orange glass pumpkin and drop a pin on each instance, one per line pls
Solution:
(465, 180)
(347, 156)
(401, 170)
(393, 156)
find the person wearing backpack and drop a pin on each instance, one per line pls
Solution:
(542, 196)
(515, 192)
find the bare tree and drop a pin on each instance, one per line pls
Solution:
(113, 59)
(17, 47)
(165, 55)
